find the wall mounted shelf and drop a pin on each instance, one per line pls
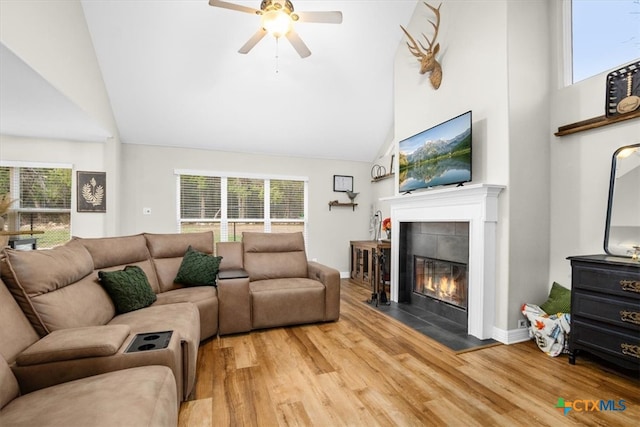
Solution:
(337, 203)
(594, 123)
(383, 177)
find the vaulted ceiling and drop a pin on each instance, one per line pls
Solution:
(174, 76)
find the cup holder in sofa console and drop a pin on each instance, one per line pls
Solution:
(149, 341)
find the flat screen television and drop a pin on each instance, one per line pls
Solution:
(438, 156)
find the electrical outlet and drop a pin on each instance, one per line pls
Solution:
(146, 211)
(522, 323)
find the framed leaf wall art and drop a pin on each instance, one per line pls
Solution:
(92, 191)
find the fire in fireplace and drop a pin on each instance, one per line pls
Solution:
(442, 280)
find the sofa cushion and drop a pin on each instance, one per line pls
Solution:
(128, 288)
(198, 268)
(167, 251)
(205, 299)
(149, 400)
(303, 298)
(110, 251)
(114, 253)
(9, 389)
(16, 333)
(274, 255)
(231, 253)
(175, 244)
(56, 288)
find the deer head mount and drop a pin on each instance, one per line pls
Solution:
(427, 55)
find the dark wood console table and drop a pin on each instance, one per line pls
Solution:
(605, 309)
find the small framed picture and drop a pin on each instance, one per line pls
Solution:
(342, 183)
(92, 191)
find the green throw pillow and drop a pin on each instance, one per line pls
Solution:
(559, 300)
(129, 289)
(198, 268)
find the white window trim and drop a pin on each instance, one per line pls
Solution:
(238, 175)
(21, 164)
(566, 28)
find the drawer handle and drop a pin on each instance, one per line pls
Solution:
(630, 316)
(630, 285)
(630, 350)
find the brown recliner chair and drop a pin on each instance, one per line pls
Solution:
(266, 281)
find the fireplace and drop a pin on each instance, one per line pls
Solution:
(475, 205)
(441, 280)
(433, 268)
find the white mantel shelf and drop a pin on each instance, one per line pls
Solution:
(476, 204)
(459, 193)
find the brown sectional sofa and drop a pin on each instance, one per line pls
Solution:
(60, 294)
(138, 396)
(77, 337)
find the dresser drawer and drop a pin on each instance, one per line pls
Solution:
(622, 344)
(622, 312)
(622, 282)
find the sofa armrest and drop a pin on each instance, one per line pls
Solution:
(75, 343)
(232, 273)
(330, 278)
(35, 377)
(234, 302)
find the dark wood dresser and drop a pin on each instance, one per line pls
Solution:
(605, 309)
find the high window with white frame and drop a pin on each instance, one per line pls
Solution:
(42, 194)
(605, 34)
(230, 204)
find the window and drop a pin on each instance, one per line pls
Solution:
(230, 205)
(605, 34)
(43, 201)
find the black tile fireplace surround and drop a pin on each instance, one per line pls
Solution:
(447, 241)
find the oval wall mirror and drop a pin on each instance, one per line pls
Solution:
(622, 229)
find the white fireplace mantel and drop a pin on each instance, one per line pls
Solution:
(476, 204)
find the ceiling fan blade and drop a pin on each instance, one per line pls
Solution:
(253, 40)
(233, 6)
(298, 44)
(321, 17)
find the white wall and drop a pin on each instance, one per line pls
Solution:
(528, 47)
(53, 39)
(83, 156)
(149, 181)
(473, 54)
(580, 164)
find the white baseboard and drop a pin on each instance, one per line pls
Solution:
(511, 336)
(345, 275)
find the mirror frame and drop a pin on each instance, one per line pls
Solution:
(612, 181)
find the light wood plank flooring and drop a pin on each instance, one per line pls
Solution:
(368, 369)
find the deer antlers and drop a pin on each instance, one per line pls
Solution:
(426, 56)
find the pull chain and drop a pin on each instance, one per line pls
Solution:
(277, 54)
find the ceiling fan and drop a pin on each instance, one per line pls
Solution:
(277, 19)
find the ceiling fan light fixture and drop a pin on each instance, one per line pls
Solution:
(276, 22)
(277, 19)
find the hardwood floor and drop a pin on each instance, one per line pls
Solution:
(368, 369)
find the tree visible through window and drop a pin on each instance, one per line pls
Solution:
(43, 201)
(232, 205)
